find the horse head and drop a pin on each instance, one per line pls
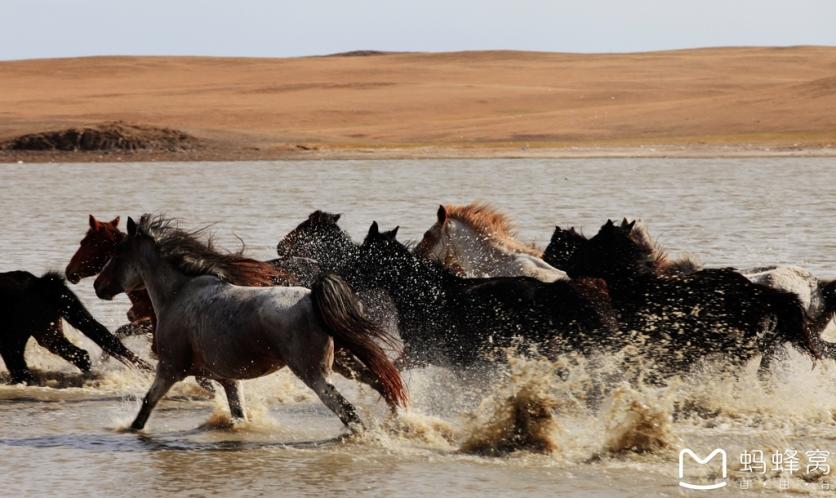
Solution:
(94, 249)
(379, 260)
(318, 238)
(430, 245)
(563, 244)
(120, 273)
(614, 254)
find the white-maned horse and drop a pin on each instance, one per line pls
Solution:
(476, 241)
(207, 327)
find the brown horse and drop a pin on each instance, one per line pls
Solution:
(94, 251)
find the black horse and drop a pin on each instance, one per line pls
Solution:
(448, 320)
(562, 246)
(33, 306)
(683, 316)
(315, 246)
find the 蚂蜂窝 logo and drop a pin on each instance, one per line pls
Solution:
(703, 461)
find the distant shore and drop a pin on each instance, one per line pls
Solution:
(718, 102)
(663, 151)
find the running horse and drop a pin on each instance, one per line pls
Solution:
(477, 241)
(684, 315)
(101, 240)
(32, 306)
(817, 296)
(208, 327)
(448, 320)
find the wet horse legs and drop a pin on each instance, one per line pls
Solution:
(162, 383)
(54, 340)
(12, 350)
(235, 397)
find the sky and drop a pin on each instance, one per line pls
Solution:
(278, 28)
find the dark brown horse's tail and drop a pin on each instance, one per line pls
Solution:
(793, 324)
(344, 319)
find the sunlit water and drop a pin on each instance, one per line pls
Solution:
(64, 437)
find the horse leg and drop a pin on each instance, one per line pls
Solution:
(13, 357)
(162, 383)
(234, 390)
(206, 384)
(772, 354)
(329, 396)
(137, 327)
(347, 365)
(54, 340)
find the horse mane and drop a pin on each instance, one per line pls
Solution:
(657, 256)
(194, 253)
(486, 220)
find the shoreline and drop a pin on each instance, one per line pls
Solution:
(420, 153)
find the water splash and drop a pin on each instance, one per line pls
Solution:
(637, 423)
(521, 416)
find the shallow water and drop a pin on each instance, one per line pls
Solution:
(64, 437)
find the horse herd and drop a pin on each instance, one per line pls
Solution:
(468, 289)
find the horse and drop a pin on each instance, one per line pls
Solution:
(685, 315)
(102, 238)
(477, 241)
(319, 243)
(818, 297)
(211, 328)
(32, 306)
(448, 320)
(93, 252)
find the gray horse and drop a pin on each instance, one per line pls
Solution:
(210, 328)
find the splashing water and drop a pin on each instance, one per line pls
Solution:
(521, 416)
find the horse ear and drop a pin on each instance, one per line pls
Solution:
(573, 231)
(631, 225)
(609, 224)
(92, 221)
(442, 213)
(374, 229)
(624, 222)
(115, 222)
(393, 233)
(335, 217)
(131, 227)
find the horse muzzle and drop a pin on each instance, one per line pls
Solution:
(72, 277)
(106, 291)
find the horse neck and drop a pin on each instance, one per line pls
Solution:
(477, 253)
(162, 280)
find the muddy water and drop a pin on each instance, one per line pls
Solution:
(63, 437)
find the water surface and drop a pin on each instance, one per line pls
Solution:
(740, 212)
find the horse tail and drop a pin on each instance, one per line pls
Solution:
(73, 311)
(792, 322)
(342, 314)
